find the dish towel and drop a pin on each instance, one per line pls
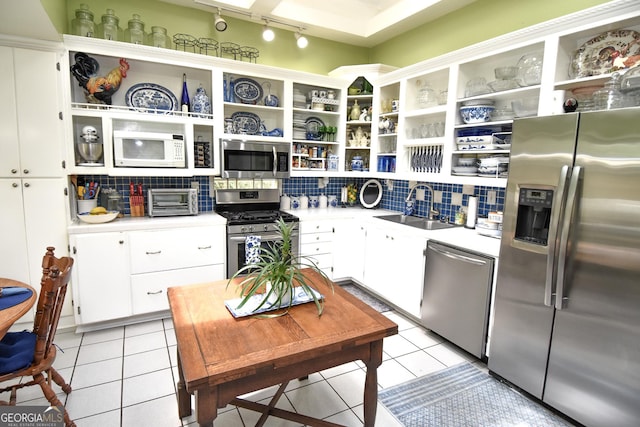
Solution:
(11, 296)
(252, 250)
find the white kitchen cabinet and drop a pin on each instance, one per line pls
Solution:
(101, 276)
(34, 209)
(127, 273)
(180, 256)
(176, 248)
(349, 249)
(317, 131)
(31, 129)
(395, 269)
(32, 217)
(146, 68)
(316, 243)
(149, 290)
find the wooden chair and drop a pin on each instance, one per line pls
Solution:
(33, 353)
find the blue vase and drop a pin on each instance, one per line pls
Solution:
(200, 105)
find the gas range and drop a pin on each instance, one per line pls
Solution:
(251, 210)
(251, 215)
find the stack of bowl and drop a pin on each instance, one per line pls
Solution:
(477, 110)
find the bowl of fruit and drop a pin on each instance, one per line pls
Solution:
(98, 215)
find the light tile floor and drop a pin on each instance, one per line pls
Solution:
(126, 376)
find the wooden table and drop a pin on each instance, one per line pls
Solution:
(10, 315)
(220, 357)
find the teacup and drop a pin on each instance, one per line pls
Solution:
(354, 91)
(322, 93)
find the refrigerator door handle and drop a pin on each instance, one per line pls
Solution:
(553, 234)
(576, 174)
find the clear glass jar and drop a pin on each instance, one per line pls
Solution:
(109, 28)
(82, 24)
(135, 31)
(610, 97)
(426, 96)
(159, 38)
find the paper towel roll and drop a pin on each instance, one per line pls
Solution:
(472, 212)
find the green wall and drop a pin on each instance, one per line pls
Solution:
(481, 20)
(321, 56)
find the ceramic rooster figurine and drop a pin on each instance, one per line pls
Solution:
(99, 90)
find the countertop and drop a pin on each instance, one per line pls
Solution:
(147, 223)
(458, 236)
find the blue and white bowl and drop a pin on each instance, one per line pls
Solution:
(476, 113)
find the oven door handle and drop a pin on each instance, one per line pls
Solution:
(275, 160)
(242, 238)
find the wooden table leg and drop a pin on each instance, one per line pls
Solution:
(371, 384)
(184, 399)
(206, 406)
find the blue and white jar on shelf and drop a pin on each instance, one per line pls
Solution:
(356, 163)
(201, 105)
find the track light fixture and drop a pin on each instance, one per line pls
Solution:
(219, 22)
(267, 32)
(301, 40)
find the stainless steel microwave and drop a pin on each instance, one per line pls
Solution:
(149, 149)
(255, 159)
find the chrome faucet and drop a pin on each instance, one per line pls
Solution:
(432, 213)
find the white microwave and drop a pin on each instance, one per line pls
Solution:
(149, 149)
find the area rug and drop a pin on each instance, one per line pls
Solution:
(464, 396)
(367, 298)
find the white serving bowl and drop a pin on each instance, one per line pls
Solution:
(467, 161)
(476, 113)
(98, 219)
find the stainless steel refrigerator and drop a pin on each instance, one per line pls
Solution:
(567, 306)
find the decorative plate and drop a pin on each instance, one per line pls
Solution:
(246, 123)
(247, 90)
(147, 97)
(312, 125)
(371, 193)
(605, 53)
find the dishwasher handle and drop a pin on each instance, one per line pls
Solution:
(455, 256)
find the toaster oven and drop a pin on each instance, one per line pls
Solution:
(172, 201)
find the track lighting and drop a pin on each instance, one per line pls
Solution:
(301, 40)
(219, 22)
(267, 32)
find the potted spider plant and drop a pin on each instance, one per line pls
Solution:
(278, 275)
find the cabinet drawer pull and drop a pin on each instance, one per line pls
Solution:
(154, 293)
(204, 247)
(153, 252)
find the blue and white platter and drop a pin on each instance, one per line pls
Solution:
(246, 123)
(247, 90)
(255, 304)
(312, 125)
(150, 97)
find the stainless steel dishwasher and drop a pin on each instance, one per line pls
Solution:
(456, 295)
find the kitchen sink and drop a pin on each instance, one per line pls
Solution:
(417, 222)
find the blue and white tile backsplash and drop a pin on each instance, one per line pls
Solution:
(391, 199)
